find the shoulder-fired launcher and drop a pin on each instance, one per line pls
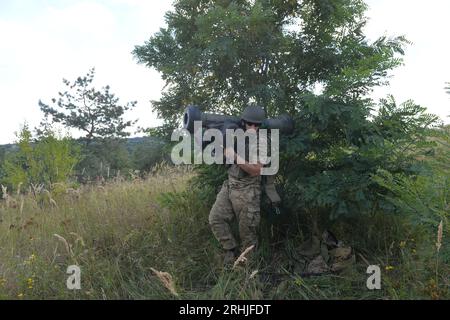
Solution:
(192, 113)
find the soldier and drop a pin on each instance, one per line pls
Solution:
(240, 195)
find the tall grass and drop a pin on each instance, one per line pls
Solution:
(149, 239)
(113, 232)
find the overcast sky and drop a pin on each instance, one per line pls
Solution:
(43, 41)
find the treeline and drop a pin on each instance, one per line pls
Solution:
(42, 157)
(53, 160)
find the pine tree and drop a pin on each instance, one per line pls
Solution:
(97, 113)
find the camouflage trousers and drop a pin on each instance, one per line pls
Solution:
(238, 199)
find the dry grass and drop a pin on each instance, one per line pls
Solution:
(439, 236)
(76, 226)
(167, 280)
(242, 259)
(121, 233)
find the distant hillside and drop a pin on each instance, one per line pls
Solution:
(8, 147)
(110, 158)
(138, 153)
(131, 144)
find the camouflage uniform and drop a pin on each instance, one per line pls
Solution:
(241, 193)
(239, 197)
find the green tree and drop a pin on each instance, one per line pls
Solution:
(97, 113)
(308, 58)
(222, 54)
(105, 159)
(424, 197)
(148, 153)
(47, 161)
(2, 158)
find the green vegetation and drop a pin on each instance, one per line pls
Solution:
(374, 173)
(96, 113)
(49, 161)
(118, 231)
(223, 55)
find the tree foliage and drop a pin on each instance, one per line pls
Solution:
(424, 197)
(148, 153)
(310, 59)
(222, 54)
(47, 161)
(97, 113)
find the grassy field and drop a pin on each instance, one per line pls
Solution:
(121, 232)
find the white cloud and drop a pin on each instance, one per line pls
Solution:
(43, 42)
(426, 64)
(64, 40)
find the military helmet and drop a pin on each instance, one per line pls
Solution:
(253, 113)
